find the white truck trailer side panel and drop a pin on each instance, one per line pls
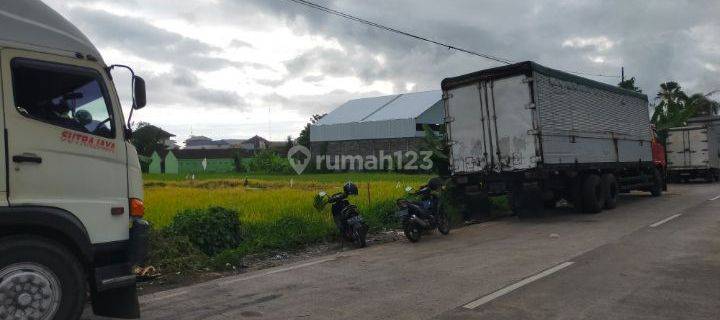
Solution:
(583, 124)
(694, 147)
(490, 125)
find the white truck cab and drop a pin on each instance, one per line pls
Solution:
(70, 183)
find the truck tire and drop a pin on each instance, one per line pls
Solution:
(30, 265)
(525, 202)
(593, 194)
(656, 188)
(610, 189)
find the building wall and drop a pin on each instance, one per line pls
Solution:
(213, 165)
(171, 163)
(155, 163)
(365, 147)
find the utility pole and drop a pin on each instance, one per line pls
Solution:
(622, 73)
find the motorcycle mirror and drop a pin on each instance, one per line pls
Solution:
(322, 193)
(408, 189)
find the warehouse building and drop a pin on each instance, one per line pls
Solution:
(369, 125)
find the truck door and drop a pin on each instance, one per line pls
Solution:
(676, 148)
(64, 141)
(490, 125)
(697, 147)
(509, 103)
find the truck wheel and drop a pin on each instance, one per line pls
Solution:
(39, 279)
(593, 195)
(610, 187)
(525, 202)
(656, 189)
(550, 204)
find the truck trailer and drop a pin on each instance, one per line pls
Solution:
(693, 151)
(540, 135)
(71, 191)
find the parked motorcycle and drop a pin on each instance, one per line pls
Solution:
(347, 217)
(421, 211)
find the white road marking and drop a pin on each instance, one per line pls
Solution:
(654, 225)
(267, 273)
(163, 296)
(713, 199)
(512, 287)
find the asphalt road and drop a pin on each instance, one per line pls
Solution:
(650, 258)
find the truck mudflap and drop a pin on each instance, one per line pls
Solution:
(113, 290)
(117, 303)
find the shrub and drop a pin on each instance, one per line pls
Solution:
(269, 162)
(171, 253)
(211, 230)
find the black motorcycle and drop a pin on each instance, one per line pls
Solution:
(346, 216)
(421, 211)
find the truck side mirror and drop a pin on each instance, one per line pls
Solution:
(139, 92)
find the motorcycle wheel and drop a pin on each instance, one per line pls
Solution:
(360, 235)
(444, 224)
(412, 232)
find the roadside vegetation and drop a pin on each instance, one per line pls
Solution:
(272, 212)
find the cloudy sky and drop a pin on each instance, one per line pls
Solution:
(236, 68)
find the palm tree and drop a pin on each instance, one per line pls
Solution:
(672, 110)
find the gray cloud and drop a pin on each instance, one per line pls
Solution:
(651, 40)
(659, 41)
(237, 43)
(181, 87)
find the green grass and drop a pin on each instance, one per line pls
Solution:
(338, 178)
(276, 211)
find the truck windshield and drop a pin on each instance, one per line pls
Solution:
(67, 96)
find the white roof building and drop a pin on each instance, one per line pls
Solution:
(386, 117)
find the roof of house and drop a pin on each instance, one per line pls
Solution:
(399, 106)
(234, 141)
(204, 141)
(256, 139)
(198, 138)
(210, 153)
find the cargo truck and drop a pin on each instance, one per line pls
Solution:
(693, 151)
(71, 193)
(540, 135)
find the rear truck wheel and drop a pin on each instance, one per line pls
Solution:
(593, 195)
(412, 232)
(657, 179)
(550, 204)
(610, 189)
(525, 202)
(40, 279)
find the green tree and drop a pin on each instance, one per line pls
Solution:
(629, 84)
(147, 138)
(672, 110)
(435, 142)
(700, 105)
(288, 144)
(304, 136)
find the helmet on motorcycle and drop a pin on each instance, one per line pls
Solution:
(435, 184)
(350, 188)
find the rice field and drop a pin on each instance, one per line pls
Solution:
(276, 211)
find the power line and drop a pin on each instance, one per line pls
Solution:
(421, 38)
(390, 29)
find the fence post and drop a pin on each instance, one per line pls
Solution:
(368, 192)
